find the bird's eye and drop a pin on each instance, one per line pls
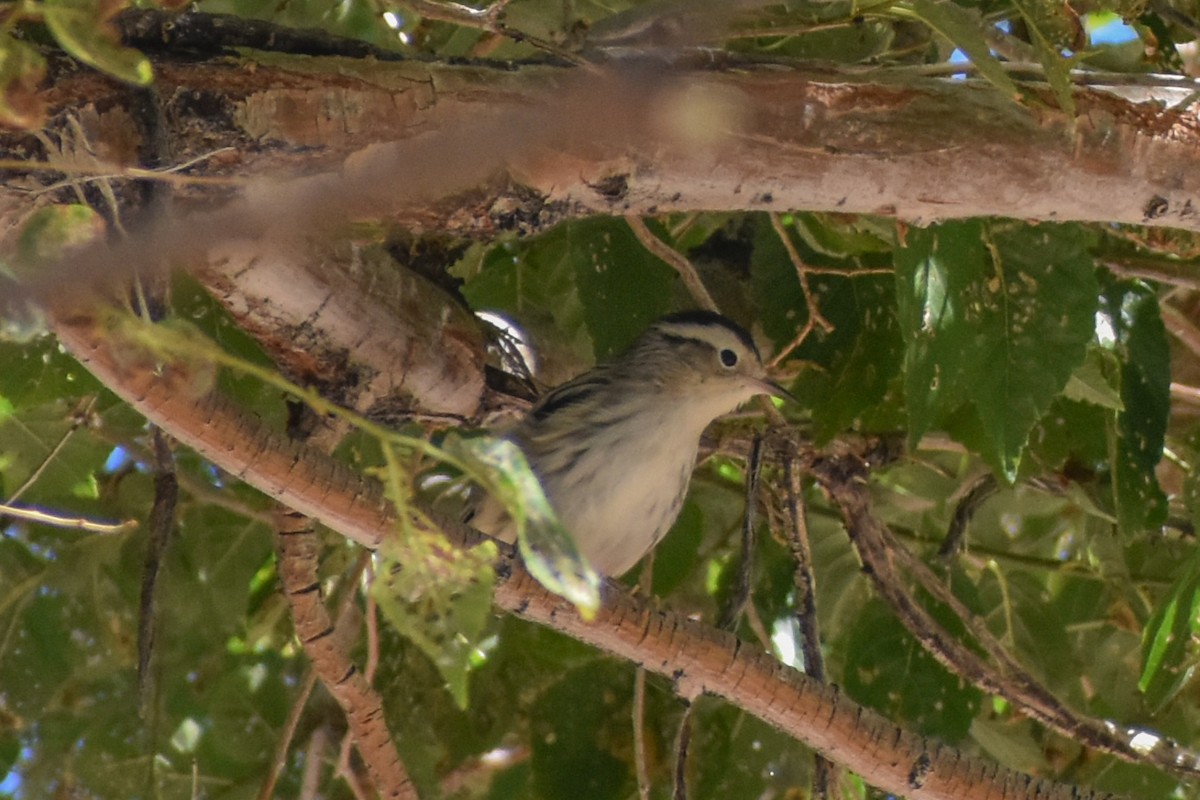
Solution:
(728, 357)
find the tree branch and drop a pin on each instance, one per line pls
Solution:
(697, 657)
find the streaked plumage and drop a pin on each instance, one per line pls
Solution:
(615, 447)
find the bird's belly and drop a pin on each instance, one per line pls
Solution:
(621, 501)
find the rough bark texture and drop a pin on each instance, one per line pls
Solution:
(700, 659)
(621, 141)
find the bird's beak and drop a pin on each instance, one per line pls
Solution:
(773, 388)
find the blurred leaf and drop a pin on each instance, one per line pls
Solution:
(1138, 337)
(580, 735)
(963, 27)
(997, 316)
(22, 69)
(547, 549)
(444, 615)
(1168, 640)
(51, 230)
(881, 656)
(82, 29)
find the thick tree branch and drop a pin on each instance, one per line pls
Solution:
(424, 143)
(697, 657)
(298, 548)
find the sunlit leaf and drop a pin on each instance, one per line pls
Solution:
(82, 29)
(962, 27)
(442, 607)
(1095, 382)
(1137, 336)
(1168, 640)
(546, 547)
(997, 317)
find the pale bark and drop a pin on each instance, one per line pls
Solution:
(698, 658)
(478, 150)
(373, 336)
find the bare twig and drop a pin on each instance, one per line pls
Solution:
(1185, 394)
(54, 520)
(802, 575)
(741, 589)
(814, 319)
(682, 744)
(645, 583)
(1152, 269)
(979, 490)
(80, 416)
(826, 775)
(295, 713)
(162, 522)
(691, 278)
(1181, 327)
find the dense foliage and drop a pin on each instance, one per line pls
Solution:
(1028, 375)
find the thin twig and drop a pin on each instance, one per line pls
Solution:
(691, 278)
(741, 589)
(645, 584)
(81, 415)
(815, 319)
(802, 575)
(295, 713)
(162, 522)
(682, 743)
(1158, 270)
(1185, 394)
(1181, 327)
(56, 521)
(977, 492)
(489, 20)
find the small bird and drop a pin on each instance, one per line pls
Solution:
(614, 448)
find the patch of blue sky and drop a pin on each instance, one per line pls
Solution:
(1108, 28)
(959, 57)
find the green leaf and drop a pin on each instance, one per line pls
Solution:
(78, 25)
(1096, 382)
(1057, 67)
(547, 549)
(444, 615)
(962, 27)
(623, 287)
(997, 317)
(578, 740)
(882, 655)
(1134, 330)
(845, 372)
(1167, 640)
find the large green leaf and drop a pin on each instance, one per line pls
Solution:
(1135, 332)
(998, 317)
(623, 287)
(881, 655)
